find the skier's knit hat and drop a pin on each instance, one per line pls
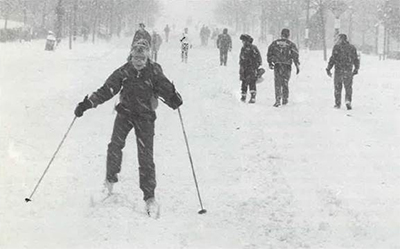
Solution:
(140, 48)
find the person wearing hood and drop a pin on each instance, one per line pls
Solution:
(345, 59)
(139, 82)
(224, 44)
(249, 62)
(280, 56)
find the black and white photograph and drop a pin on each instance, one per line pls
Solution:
(200, 124)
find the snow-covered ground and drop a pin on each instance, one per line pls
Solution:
(302, 176)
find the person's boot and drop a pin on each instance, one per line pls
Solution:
(252, 98)
(243, 98)
(109, 186)
(277, 103)
(348, 105)
(285, 101)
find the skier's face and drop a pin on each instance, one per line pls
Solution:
(139, 61)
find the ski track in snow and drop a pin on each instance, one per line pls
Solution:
(300, 176)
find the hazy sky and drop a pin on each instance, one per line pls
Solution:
(179, 10)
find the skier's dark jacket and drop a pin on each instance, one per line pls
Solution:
(141, 34)
(283, 51)
(344, 56)
(138, 90)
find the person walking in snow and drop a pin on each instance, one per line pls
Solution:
(345, 59)
(280, 56)
(185, 45)
(250, 61)
(141, 33)
(139, 82)
(156, 42)
(166, 31)
(224, 44)
(50, 41)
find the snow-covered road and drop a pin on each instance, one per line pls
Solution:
(302, 176)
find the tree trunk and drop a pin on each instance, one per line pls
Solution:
(323, 31)
(94, 22)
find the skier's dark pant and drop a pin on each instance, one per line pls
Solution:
(223, 56)
(341, 78)
(282, 74)
(144, 130)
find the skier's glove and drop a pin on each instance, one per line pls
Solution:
(297, 69)
(355, 71)
(271, 66)
(175, 101)
(328, 72)
(82, 107)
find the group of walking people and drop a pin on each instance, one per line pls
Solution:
(282, 54)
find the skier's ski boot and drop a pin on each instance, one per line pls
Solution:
(277, 104)
(348, 105)
(337, 106)
(109, 186)
(152, 208)
(243, 98)
(285, 101)
(252, 98)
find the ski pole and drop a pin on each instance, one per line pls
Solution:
(51, 160)
(202, 211)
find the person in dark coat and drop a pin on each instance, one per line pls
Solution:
(224, 44)
(141, 33)
(280, 56)
(250, 61)
(139, 82)
(345, 59)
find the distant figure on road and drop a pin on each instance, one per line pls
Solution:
(156, 41)
(185, 45)
(50, 41)
(224, 44)
(166, 31)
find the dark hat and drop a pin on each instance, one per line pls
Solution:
(142, 25)
(342, 37)
(285, 33)
(246, 37)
